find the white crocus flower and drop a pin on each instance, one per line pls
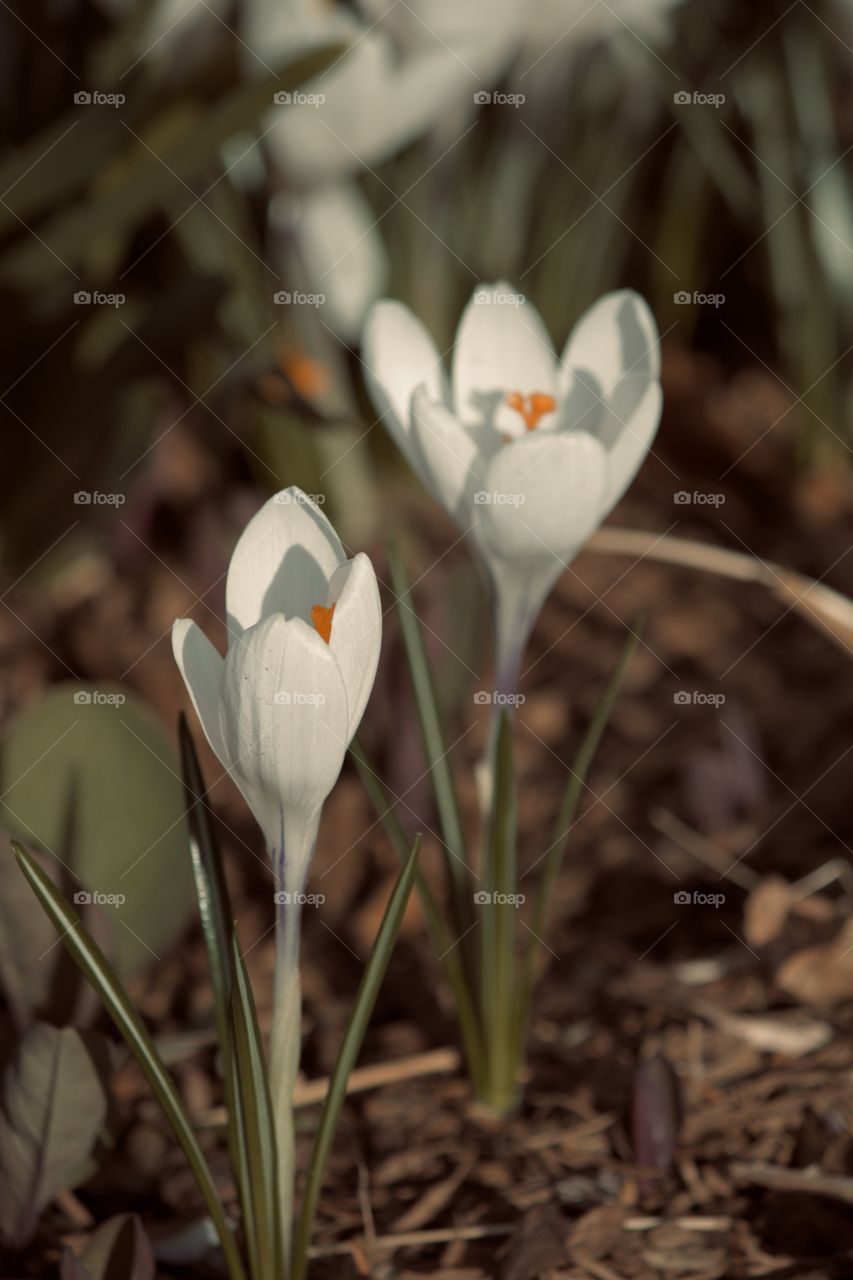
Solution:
(528, 453)
(279, 711)
(407, 70)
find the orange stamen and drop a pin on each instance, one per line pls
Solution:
(532, 407)
(322, 619)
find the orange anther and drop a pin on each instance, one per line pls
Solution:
(532, 407)
(322, 619)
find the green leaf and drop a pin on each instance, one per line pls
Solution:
(53, 1108)
(438, 760)
(90, 776)
(257, 1123)
(445, 950)
(40, 981)
(348, 1053)
(566, 815)
(214, 903)
(118, 1250)
(94, 965)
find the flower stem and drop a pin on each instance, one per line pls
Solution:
(290, 865)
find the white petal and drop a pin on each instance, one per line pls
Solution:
(450, 454)
(342, 252)
(501, 346)
(284, 716)
(617, 335)
(202, 667)
(544, 497)
(282, 563)
(356, 632)
(372, 105)
(629, 439)
(398, 355)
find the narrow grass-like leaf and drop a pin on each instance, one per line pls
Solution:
(349, 1050)
(91, 960)
(445, 946)
(441, 776)
(498, 932)
(566, 815)
(214, 905)
(257, 1123)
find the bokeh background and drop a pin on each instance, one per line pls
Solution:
(199, 200)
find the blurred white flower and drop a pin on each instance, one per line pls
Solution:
(528, 453)
(407, 68)
(280, 709)
(339, 250)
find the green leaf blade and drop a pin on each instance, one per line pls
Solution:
(94, 965)
(256, 1121)
(349, 1050)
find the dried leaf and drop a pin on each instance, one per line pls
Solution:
(53, 1107)
(821, 975)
